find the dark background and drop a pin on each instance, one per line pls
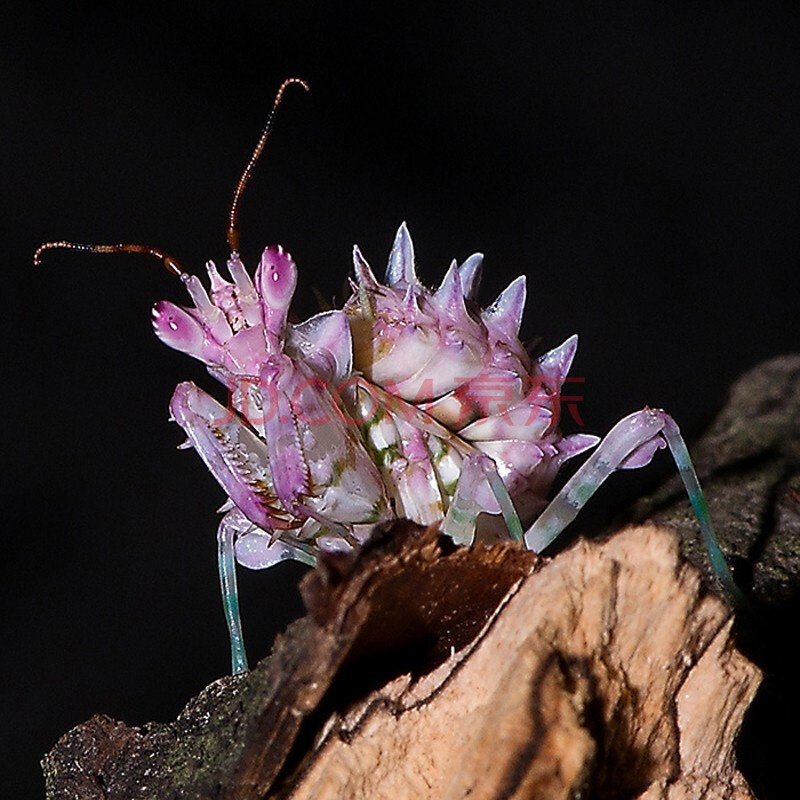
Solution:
(636, 161)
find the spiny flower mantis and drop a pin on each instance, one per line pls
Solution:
(406, 402)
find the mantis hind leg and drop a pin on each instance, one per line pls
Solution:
(459, 523)
(700, 507)
(631, 443)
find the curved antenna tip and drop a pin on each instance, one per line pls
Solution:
(289, 82)
(233, 215)
(171, 264)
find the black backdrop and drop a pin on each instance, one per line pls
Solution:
(637, 162)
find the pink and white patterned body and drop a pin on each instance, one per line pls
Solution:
(449, 381)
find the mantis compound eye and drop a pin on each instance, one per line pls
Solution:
(276, 280)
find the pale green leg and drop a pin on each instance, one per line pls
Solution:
(700, 506)
(631, 443)
(459, 523)
(231, 527)
(626, 436)
(503, 498)
(226, 562)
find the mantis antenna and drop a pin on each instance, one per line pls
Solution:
(171, 264)
(233, 218)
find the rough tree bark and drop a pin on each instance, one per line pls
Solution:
(422, 670)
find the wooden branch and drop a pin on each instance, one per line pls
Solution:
(423, 670)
